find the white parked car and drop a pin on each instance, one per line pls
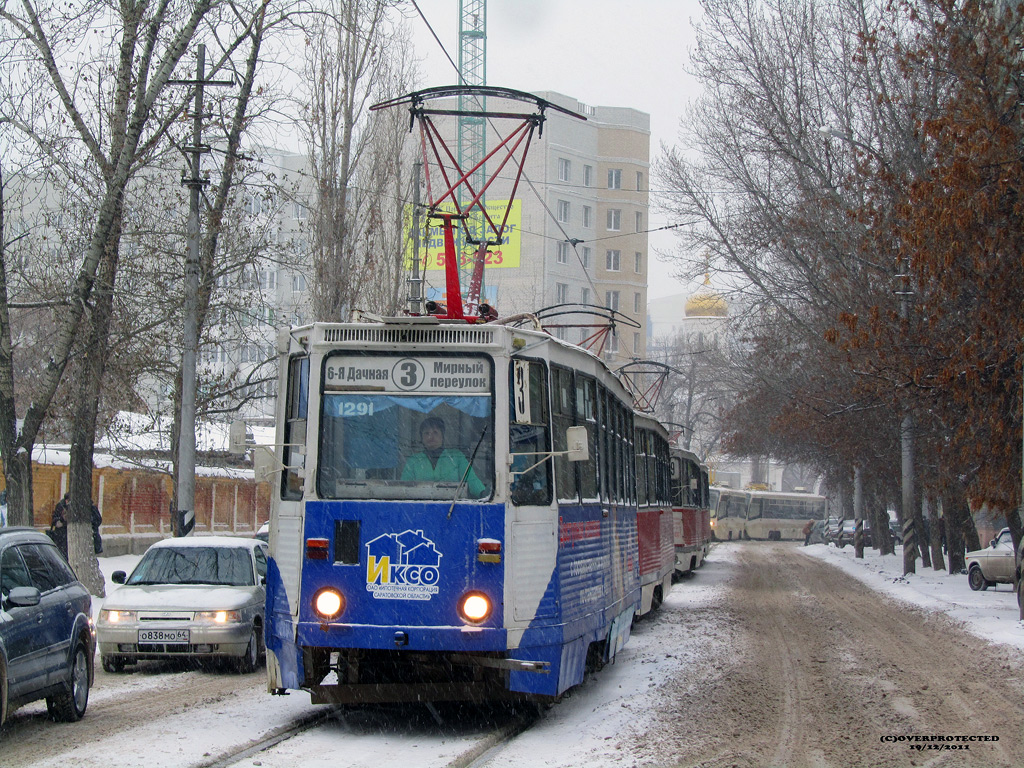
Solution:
(195, 597)
(992, 565)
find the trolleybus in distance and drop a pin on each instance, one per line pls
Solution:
(728, 513)
(690, 509)
(777, 516)
(499, 561)
(655, 531)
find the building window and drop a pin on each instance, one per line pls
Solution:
(585, 296)
(611, 299)
(614, 178)
(639, 180)
(561, 293)
(563, 253)
(614, 219)
(588, 175)
(638, 262)
(612, 345)
(298, 283)
(636, 343)
(636, 302)
(611, 261)
(270, 279)
(564, 169)
(563, 211)
(588, 216)
(586, 257)
(252, 205)
(300, 211)
(639, 221)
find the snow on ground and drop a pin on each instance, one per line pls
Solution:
(593, 723)
(991, 614)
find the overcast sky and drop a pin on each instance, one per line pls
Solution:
(604, 53)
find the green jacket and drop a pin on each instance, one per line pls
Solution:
(450, 468)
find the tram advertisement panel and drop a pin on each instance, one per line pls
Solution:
(500, 256)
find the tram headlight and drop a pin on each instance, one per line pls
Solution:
(329, 603)
(475, 607)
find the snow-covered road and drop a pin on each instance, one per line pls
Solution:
(642, 710)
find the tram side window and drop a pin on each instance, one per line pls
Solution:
(562, 419)
(586, 416)
(653, 474)
(677, 481)
(666, 473)
(628, 485)
(295, 428)
(640, 441)
(529, 433)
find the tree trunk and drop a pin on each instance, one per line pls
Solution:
(881, 538)
(81, 552)
(935, 532)
(18, 475)
(961, 535)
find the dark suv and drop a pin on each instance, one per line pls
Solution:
(47, 641)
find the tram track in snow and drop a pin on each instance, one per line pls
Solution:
(278, 735)
(479, 754)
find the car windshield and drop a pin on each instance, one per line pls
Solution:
(223, 566)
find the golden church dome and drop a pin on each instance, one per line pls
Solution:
(706, 302)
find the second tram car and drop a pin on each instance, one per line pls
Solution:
(691, 512)
(456, 516)
(655, 532)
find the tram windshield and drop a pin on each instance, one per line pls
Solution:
(406, 428)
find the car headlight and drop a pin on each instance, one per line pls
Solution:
(117, 617)
(218, 617)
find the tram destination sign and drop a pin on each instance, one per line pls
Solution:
(391, 373)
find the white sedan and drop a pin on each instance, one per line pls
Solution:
(992, 565)
(192, 597)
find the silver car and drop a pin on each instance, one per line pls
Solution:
(191, 597)
(992, 565)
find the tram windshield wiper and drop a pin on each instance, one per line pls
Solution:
(469, 468)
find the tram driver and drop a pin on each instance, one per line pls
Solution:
(439, 464)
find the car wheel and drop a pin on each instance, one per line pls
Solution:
(251, 657)
(975, 579)
(69, 705)
(112, 664)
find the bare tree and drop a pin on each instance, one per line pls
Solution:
(347, 52)
(107, 112)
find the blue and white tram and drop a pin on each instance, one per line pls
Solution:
(485, 568)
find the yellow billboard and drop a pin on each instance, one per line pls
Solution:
(501, 256)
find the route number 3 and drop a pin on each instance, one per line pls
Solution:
(521, 391)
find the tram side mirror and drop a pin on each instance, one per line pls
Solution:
(264, 463)
(576, 439)
(236, 438)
